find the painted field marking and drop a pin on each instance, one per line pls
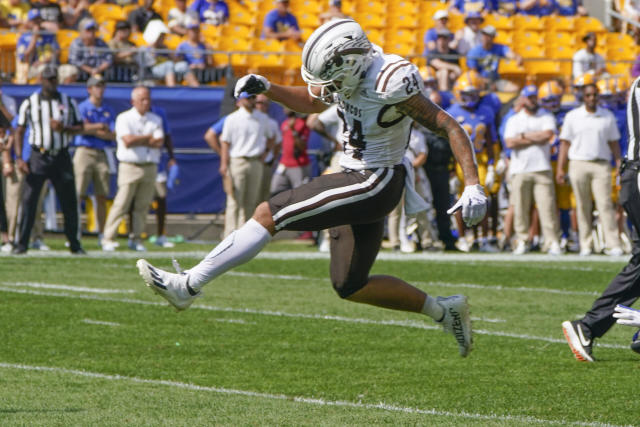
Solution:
(100, 322)
(37, 285)
(306, 400)
(403, 323)
(239, 321)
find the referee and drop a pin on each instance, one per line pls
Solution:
(53, 119)
(625, 287)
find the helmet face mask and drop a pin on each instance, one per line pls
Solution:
(551, 103)
(469, 98)
(335, 59)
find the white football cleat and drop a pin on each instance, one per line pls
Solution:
(457, 322)
(174, 287)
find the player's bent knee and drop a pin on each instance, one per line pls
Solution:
(263, 215)
(346, 288)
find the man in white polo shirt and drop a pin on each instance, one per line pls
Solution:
(529, 134)
(140, 138)
(247, 136)
(589, 140)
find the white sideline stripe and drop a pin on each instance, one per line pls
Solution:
(301, 399)
(37, 285)
(240, 321)
(441, 284)
(99, 322)
(404, 323)
(386, 256)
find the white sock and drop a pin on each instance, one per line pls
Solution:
(432, 309)
(237, 248)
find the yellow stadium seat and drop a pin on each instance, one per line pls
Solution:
(242, 17)
(237, 45)
(510, 67)
(619, 68)
(371, 6)
(306, 32)
(528, 38)
(349, 7)
(527, 22)
(621, 53)
(307, 6)
(500, 22)
(402, 49)
(211, 32)
(400, 36)
(129, 8)
(103, 11)
(403, 8)
(293, 60)
(561, 52)
(8, 39)
(619, 39)
(136, 38)
(308, 19)
(172, 40)
(504, 37)
(404, 21)
(371, 20)
(375, 36)
(542, 67)
(456, 22)
(237, 31)
(560, 23)
(531, 51)
(561, 38)
(65, 37)
(587, 23)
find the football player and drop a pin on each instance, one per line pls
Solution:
(478, 122)
(378, 97)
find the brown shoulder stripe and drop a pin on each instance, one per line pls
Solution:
(384, 86)
(385, 69)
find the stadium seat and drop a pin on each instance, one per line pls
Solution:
(505, 37)
(242, 17)
(306, 32)
(619, 39)
(136, 38)
(586, 23)
(403, 8)
(500, 22)
(237, 45)
(237, 31)
(65, 37)
(534, 38)
(375, 36)
(172, 40)
(619, 68)
(527, 22)
(307, 6)
(371, 6)
(349, 8)
(402, 49)
(103, 11)
(400, 36)
(404, 21)
(560, 23)
(8, 39)
(621, 53)
(511, 68)
(308, 19)
(531, 51)
(371, 20)
(543, 67)
(211, 32)
(561, 38)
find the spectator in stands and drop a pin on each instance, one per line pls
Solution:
(140, 17)
(485, 59)
(281, 24)
(16, 12)
(90, 164)
(441, 19)
(50, 137)
(88, 52)
(430, 81)
(34, 49)
(334, 12)
(528, 134)
(571, 8)
(73, 12)
(179, 17)
(156, 55)
(477, 6)
(444, 60)
(124, 51)
(246, 137)
(140, 138)
(588, 141)
(194, 61)
(469, 36)
(506, 7)
(537, 7)
(294, 168)
(51, 14)
(586, 59)
(213, 12)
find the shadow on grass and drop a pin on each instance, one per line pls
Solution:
(26, 410)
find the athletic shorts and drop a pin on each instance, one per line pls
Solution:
(344, 198)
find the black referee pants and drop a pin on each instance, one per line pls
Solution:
(625, 287)
(439, 180)
(59, 170)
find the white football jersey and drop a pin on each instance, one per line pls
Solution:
(374, 134)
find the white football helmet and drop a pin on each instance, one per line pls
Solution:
(335, 59)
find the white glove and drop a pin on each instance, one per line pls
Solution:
(490, 179)
(501, 166)
(253, 84)
(473, 203)
(627, 316)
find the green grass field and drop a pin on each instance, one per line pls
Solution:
(84, 342)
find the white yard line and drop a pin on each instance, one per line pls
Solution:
(388, 256)
(37, 285)
(99, 322)
(403, 323)
(305, 400)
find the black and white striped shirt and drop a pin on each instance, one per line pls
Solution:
(38, 112)
(633, 121)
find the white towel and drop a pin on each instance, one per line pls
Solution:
(413, 202)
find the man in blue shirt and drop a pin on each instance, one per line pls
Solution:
(506, 7)
(90, 160)
(214, 12)
(538, 7)
(481, 6)
(35, 48)
(485, 59)
(280, 24)
(194, 62)
(88, 52)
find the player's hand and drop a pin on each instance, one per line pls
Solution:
(627, 316)
(473, 203)
(253, 84)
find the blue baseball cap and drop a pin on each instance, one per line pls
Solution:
(472, 15)
(528, 91)
(33, 14)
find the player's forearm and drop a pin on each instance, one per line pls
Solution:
(17, 141)
(295, 98)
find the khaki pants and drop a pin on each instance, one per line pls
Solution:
(90, 166)
(13, 194)
(136, 182)
(538, 187)
(587, 179)
(246, 175)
